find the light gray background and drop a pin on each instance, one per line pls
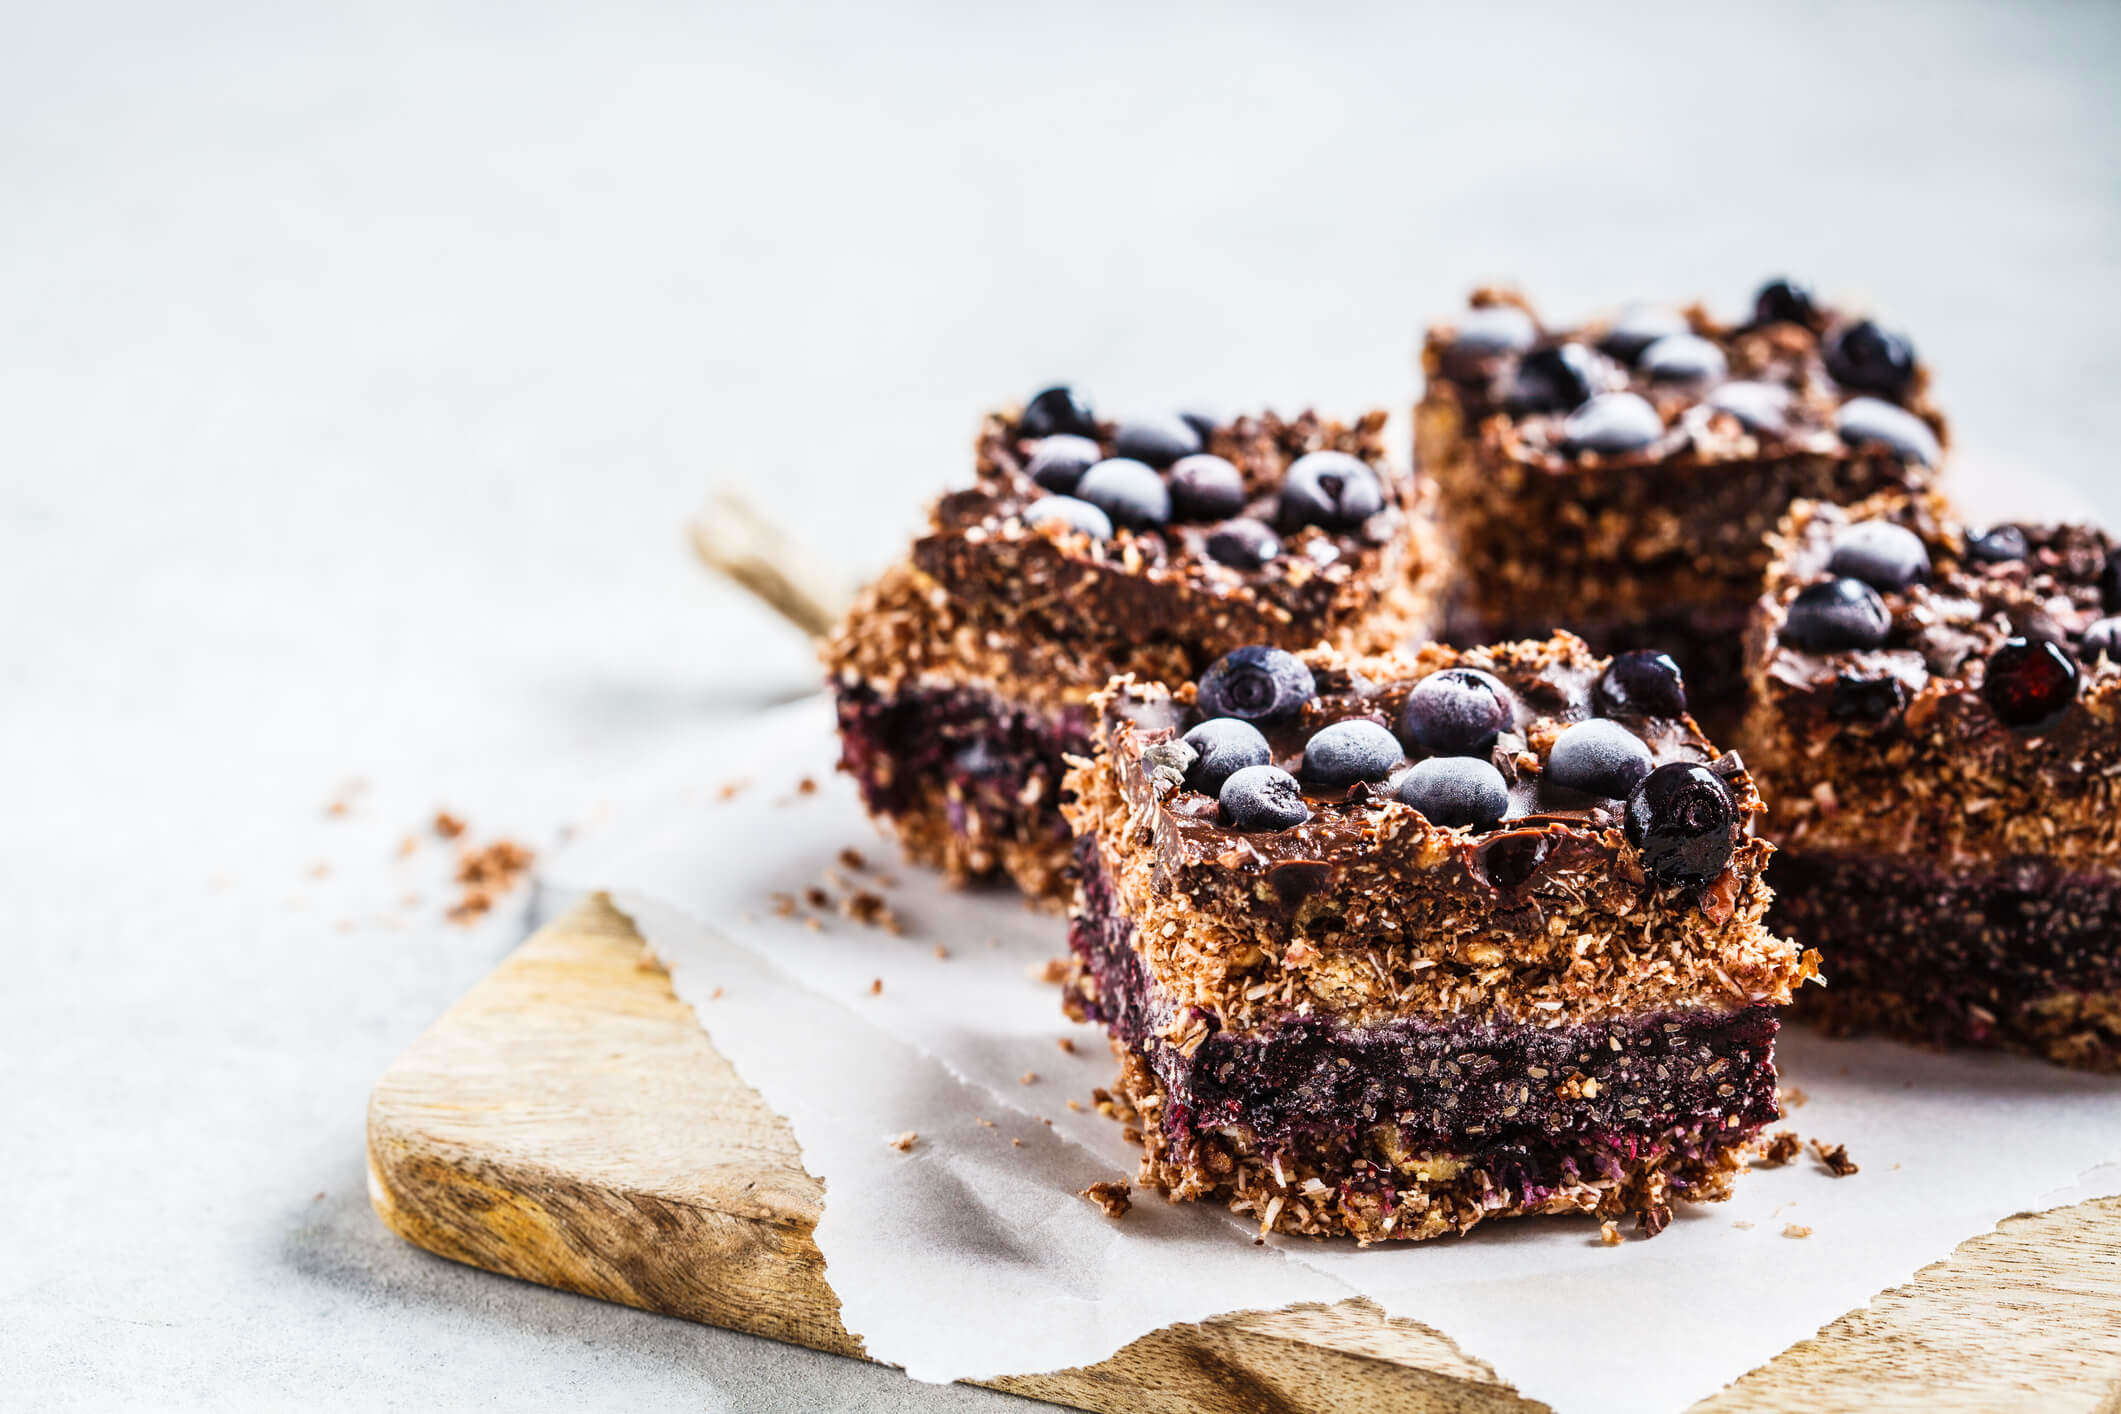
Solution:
(357, 371)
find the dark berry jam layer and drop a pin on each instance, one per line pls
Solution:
(1965, 958)
(1458, 1086)
(996, 766)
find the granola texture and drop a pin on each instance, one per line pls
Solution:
(990, 620)
(1961, 875)
(1370, 1025)
(1662, 546)
(1370, 911)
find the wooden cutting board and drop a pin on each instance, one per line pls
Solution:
(569, 1123)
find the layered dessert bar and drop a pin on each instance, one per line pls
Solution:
(1619, 479)
(1389, 946)
(1087, 549)
(1937, 726)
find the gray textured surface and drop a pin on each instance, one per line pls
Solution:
(359, 370)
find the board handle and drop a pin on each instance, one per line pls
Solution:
(734, 540)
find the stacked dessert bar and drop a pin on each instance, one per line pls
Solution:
(1619, 479)
(1389, 946)
(1936, 723)
(1086, 549)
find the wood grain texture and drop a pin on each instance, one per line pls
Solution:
(568, 1122)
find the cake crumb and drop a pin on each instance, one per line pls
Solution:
(871, 911)
(485, 874)
(715, 995)
(320, 870)
(1076, 1105)
(1836, 1158)
(1792, 1097)
(730, 790)
(1053, 970)
(941, 952)
(1609, 1234)
(813, 925)
(806, 786)
(1653, 1219)
(1017, 1142)
(1066, 1043)
(1783, 1146)
(1029, 1077)
(1796, 1230)
(986, 1123)
(1114, 1195)
(905, 1141)
(1743, 1224)
(851, 858)
(817, 897)
(876, 986)
(408, 846)
(448, 826)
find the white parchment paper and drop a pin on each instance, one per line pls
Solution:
(970, 1255)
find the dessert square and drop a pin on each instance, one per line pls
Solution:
(1936, 724)
(1619, 479)
(1088, 549)
(1389, 946)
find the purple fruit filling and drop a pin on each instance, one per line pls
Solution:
(1962, 950)
(997, 764)
(1536, 1095)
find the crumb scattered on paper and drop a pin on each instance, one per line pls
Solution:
(1067, 1043)
(1796, 1230)
(485, 874)
(1113, 1195)
(1609, 1233)
(876, 986)
(1029, 1077)
(1782, 1146)
(730, 790)
(1836, 1158)
(1792, 1097)
(1053, 970)
(904, 1141)
(852, 859)
(448, 826)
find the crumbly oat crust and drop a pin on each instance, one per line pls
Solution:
(1372, 912)
(1937, 775)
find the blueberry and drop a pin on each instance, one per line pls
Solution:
(1640, 325)
(1205, 487)
(1871, 701)
(1159, 441)
(1057, 410)
(1263, 798)
(1456, 791)
(1883, 555)
(1203, 423)
(1898, 430)
(1330, 489)
(1243, 544)
(1255, 682)
(1492, 329)
(1457, 712)
(1553, 380)
(1682, 358)
(1642, 683)
(1679, 817)
(1223, 747)
(1999, 544)
(2101, 640)
(1836, 615)
(2030, 681)
(1761, 408)
(1873, 359)
(1126, 490)
(1612, 423)
(1074, 514)
(1059, 462)
(1351, 751)
(1784, 301)
(1598, 757)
